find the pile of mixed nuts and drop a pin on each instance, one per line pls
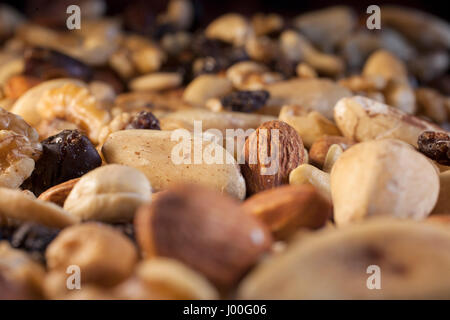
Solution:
(142, 157)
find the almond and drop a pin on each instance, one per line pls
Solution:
(319, 148)
(58, 194)
(204, 229)
(271, 153)
(288, 208)
(18, 85)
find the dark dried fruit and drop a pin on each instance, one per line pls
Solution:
(34, 239)
(6, 232)
(436, 146)
(67, 155)
(49, 64)
(144, 120)
(245, 101)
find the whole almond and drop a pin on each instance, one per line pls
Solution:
(271, 153)
(204, 229)
(288, 208)
(319, 148)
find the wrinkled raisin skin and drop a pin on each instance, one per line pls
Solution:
(435, 145)
(67, 155)
(144, 120)
(245, 101)
(34, 239)
(49, 64)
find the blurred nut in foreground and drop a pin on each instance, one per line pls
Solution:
(203, 229)
(109, 193)
(105, 256)
(383, 178)
(443, 203)
(414, 259)
(288, 208)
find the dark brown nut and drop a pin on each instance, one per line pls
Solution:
(105, 256)
(443, 203)
(18, 85)
(47, 64)
(271, 153)
(65, 156)
(58, 194)
(10, 290)
(144, 120)
(289, 208)
(435, 145)
(203, 229)
(319, 148)
(245, 101)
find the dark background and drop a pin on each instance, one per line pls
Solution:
(210, 9)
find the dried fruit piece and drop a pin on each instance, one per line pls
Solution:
(75, 104)
(205, 230)
(144, 120)
(65, 156)
(287, 209)
(49, 64)
(245, 101)
(271, 153)
(435, 145)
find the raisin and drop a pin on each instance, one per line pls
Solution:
(34, 239)
(245, 101)
(6, 232)
(436, 146)
(67, 155)
(144, 120)
(49, 64)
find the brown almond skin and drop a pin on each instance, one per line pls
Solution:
(291, 155)
(58, 194)
(204, 229)
(319, 149)
(286, 209)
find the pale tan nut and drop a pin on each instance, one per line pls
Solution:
(175, 280)
(320, 147)
(157, 81)
(167, 161)
(103, 92)
(240, 71)
(203, 229)
(176, 43)
(326, 27)
(19, 268)
(308, 174)
(261, 49)
(179, 13)
(364, 83)
(75, 104)
(58, 194)
(10, 66)
(121, 63)
(304, 70)
(286, 209)
(14, 204)
(231, 27)
(270, 154)
(398, 92)
(431, 104)
(25, 106)
(18, 85)
(109, 193)
(264, 24)
(105, 256)
(383, 178)
(334, 152)
(310, 125)
(148, 59)
(398, 248)
(362, 119)
(135, 288)
(15, 123)
(317, 94)
(296, 47)
(443, 203)
(6, 103)
(205, 87)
